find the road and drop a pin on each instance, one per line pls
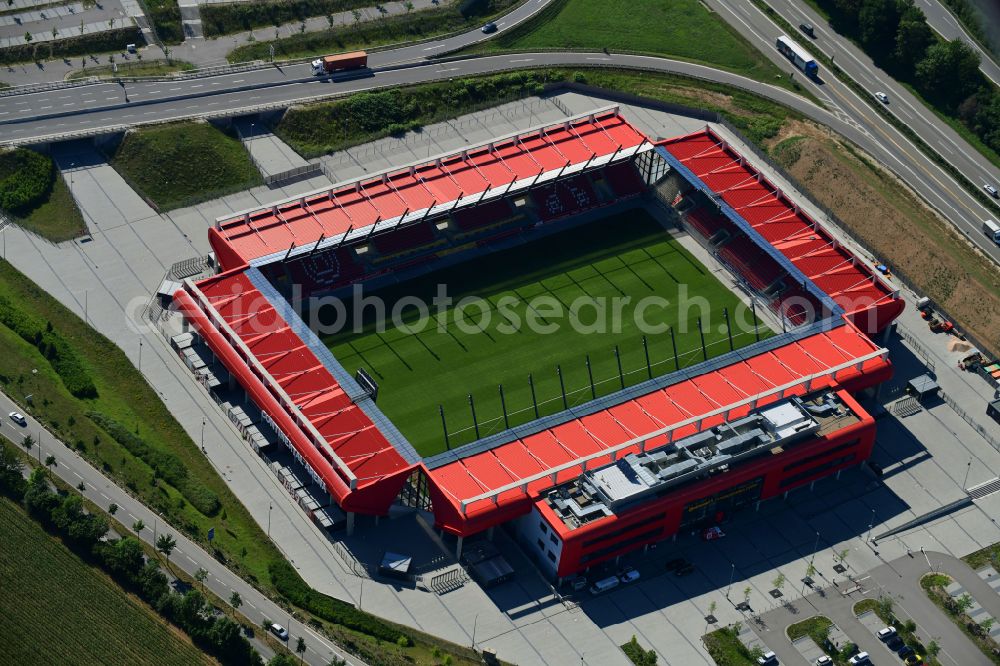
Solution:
(946, 25)
(188, 556)
(883, 140)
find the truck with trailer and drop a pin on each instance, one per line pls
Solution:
(992, 230)
(340, 62)
(798, 55)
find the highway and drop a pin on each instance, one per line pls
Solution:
(889, 145)
(946, 25)
(102, 491)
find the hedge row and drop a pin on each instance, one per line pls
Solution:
(290, 585)
(321, 128)
(166, 465)
(60, 355)
(218, 19)
(97, 42)
(25, 179)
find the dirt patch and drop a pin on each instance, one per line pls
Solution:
(896, 227)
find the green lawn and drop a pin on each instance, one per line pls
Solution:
(133, 68)
(682, 29)
(56, 217)
(56, 609)
(184, 163)
(527, 294)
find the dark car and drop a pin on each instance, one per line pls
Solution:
(808, 29)
(675, 563)
(489, 27)
(895, 643)
(905, 652)
(688, 568)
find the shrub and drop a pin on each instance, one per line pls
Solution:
(165, 465)
(60, 355)
(290, 585)
(25, 179)
(222, 19)
(95, 42)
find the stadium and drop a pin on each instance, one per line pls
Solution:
(586, 445)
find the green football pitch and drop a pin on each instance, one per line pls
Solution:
(540, 310)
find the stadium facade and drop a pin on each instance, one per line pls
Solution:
(595, 481)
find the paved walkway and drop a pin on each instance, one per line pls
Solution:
(270, 154)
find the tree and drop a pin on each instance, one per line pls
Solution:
(112, 508)
(746, 594)
(235, 600)
(779, 581)
(200, 575)
(884, 606)
(28, 442)
(842, 555)
(756, 652)
(166, 544)
(933, 649)
(330, 20)
(963, 603)
(949, 73)
(877, 23)
(356, 13)
(50, 461)
(913, 38)
(711, 608)
(27, 37)
(408, 6)
(138, 526)
(300, 647)
(986, 625)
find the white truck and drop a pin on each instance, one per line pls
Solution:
(992, 230)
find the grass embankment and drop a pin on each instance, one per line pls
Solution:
(184, 163)
(682, 29)
(35, 196)
(984, 556)
(568, 310)
(400, 28)
(325, 127)
(909, 238)
(133, 68)
(225, 19)
(57, 609)
(934, 585)
(726, 649)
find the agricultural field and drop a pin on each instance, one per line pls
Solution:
(47, 592)
(565, 308)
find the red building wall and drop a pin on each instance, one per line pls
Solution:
(658, 519)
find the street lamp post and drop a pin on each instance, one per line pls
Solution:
(815, 547)
(203, 435)
(732, 572)
(871, 524)
(140, 356)
(269, 507)
(475, 625)
(968, 468)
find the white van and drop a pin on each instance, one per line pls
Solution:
(992, 230)
(603, 585)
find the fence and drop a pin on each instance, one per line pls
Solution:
(968, 419)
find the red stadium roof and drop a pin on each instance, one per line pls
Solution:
(468, 480)
(416, 189)
(294, 388)
(831, 267)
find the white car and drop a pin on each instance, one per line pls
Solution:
(882, 97)
(825, 660)
(767, 659)
(885, 633)
(279, 631)
(18, 418)
(992, 191)
(628, 575)
(860, 658)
